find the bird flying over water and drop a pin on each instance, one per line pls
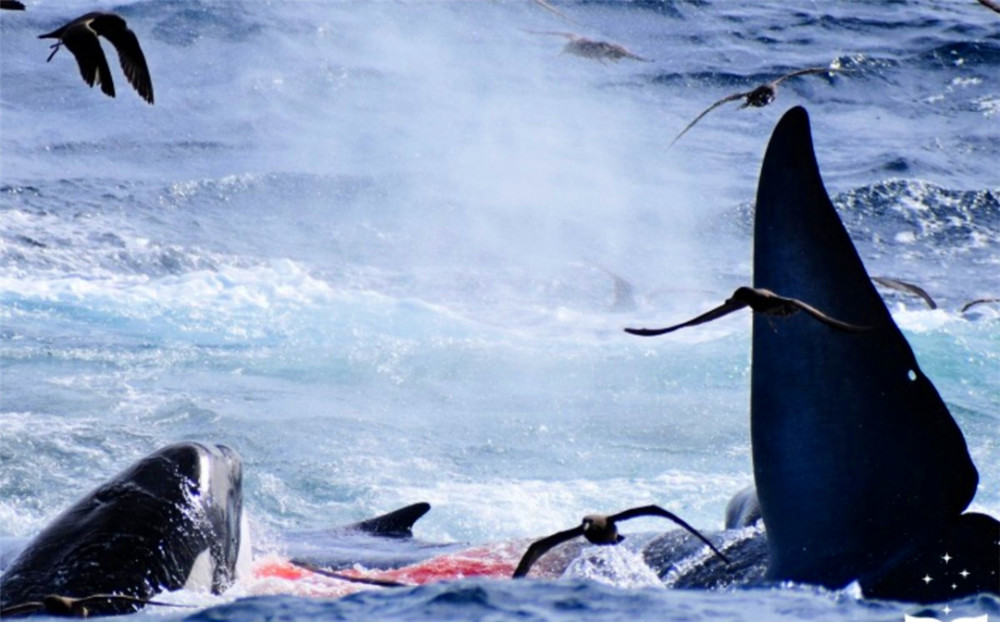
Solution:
(755, 98)
(601, 529)
(80, 37)
(592, 48)
(760, 301)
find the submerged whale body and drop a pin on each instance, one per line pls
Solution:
(861, 471)
(173, 519)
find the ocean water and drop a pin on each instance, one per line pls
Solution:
(368, 245)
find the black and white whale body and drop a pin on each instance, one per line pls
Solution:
(861, 471)
(173, 519)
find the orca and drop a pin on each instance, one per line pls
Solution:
(173, 519)
(861, 472)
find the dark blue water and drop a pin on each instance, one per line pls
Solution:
(367, 245)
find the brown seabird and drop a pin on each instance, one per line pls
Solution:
(600, 529)
(760, 301)
(80, 37)
(756, 98)
(592, 48)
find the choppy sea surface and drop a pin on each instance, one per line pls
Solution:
(369, 245)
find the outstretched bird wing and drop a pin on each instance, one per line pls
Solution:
(724, 309)
(655, 510)
(133, 61)
(69, 605)
(908, 288)
(541, 547)
(346, 577)
(801, 72)
(32, 606)
(724, 100)
(978, 301)
(82, 41)
(822, 317)
(128, 599)
(990, 4)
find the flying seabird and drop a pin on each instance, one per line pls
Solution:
(601, 529)
(756, 98)
(905, 287)
(592, 48)
(761, 301)
(80, 36)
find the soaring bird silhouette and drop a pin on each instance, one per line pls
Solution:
(601, 529)
(761, 301)
(755, 98)
(80, 37)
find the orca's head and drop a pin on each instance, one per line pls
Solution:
(214, 475)
(172, 519)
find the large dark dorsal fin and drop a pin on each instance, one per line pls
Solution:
(855, 454)
(395, 524)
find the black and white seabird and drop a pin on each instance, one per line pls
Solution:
(80, 37)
